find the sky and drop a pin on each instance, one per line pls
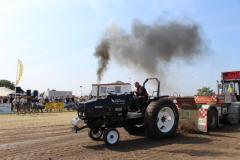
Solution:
(56, 40)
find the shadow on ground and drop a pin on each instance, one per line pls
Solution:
(144, 143)
(147, 143)
(221, 131)
(197, 153)
(228, 129)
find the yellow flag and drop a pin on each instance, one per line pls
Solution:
(19, 71)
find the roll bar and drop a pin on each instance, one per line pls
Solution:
(158, 82)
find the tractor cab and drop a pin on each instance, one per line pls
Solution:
(230, 86)
(228, 90)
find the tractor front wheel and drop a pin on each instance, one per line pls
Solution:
(95, 133)
(111, 136)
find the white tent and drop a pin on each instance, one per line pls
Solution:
(5, 91)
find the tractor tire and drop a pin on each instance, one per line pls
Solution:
(233, 116)
(212, 120)
(95, 134)
(135, 129)
(161, 119)
(111, 136)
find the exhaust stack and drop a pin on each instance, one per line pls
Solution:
(98, 86)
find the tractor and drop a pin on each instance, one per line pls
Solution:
(158, 118)
(224, 107)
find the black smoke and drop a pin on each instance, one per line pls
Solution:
(102, 53)
(150, 48)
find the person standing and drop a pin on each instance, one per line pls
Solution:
(11, 101)
(16, 103)
(23, 104)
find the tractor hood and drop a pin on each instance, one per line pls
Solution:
(104, 107)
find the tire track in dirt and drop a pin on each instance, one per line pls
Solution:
(34, 135)
(59, 143)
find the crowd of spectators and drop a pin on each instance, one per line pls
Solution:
(29, 104)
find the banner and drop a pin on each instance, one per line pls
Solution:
(54, 105)
(19, 72)
(5, 108)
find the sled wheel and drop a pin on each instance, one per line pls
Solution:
(212, 120)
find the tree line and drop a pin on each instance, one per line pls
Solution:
(7, 84)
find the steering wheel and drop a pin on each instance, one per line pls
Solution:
(133, 93)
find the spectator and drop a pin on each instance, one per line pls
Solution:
(61, 99)
(46, 100)
(11, 101)
(1, 100)
(16, 102)
(67, 100)
(5, 100)
(23, 104)
(73, 99)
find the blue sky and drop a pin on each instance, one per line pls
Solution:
(56, 39)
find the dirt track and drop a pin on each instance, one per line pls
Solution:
(48, 136)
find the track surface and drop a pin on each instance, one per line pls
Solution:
(48, 136)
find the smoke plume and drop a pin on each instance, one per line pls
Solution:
(102, 53)
(150, 48)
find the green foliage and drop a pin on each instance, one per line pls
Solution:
(7, 84)
(119, 82)
(205, 91)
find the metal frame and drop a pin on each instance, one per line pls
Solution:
(158, 82)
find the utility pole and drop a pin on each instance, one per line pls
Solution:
(81, 90)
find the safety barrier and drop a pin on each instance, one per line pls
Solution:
(5, 108)
(54, 106)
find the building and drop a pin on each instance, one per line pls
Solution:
(111, 88)
(57, 94)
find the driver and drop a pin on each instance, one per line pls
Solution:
(141, 95)
(231, 89)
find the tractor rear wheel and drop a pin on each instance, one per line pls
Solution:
(161, 119)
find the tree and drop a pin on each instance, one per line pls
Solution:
(7, 84)
(205, 91)
(119, 82)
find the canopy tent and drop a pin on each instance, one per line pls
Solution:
(5, 91)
